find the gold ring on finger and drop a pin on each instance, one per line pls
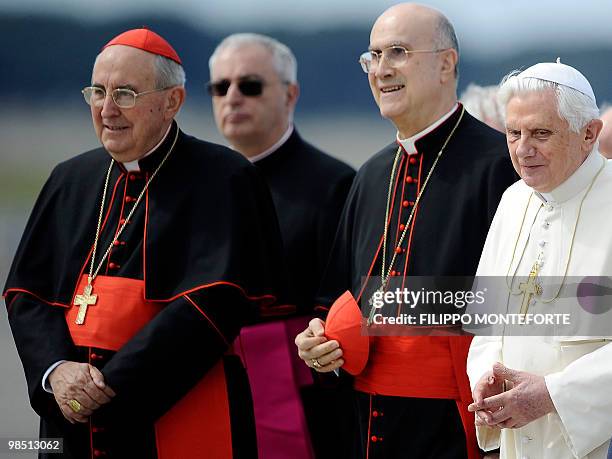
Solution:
(74, 405)
(315, 363)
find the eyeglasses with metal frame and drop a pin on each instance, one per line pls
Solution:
(394, 55)
(123, 97)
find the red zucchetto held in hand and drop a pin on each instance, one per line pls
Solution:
(343, 324)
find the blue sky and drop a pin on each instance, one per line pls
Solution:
(483, 26)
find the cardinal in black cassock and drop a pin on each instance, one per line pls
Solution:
(419, 383)
(422, 206)
(193, 262)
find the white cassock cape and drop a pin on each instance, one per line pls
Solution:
(577, 369)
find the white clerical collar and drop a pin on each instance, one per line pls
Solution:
(409, 144)
(274, 147)
(576, 182)
(132, 166)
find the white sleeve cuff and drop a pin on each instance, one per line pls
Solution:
(580, 393)
(45, 384)
(489, 438)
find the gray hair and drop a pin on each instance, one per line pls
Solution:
(445, 37)
(283, 59)
(481, 102)
(576, 108)
(167, 72)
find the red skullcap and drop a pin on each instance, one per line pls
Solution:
(147, 40)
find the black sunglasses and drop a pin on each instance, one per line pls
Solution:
(250, 88)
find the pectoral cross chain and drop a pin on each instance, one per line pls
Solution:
(371, 303)
(83, 301)
(529, 288)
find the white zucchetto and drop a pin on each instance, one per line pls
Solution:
(559, 73)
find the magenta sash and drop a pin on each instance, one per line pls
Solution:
(276, 374)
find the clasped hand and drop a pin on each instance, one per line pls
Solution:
(526, 400)
(81, 382)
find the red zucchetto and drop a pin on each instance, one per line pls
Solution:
(147, 40)
(344, 324)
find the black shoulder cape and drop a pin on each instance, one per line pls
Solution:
(451, 221)
(209, 220)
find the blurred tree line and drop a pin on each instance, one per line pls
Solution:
(49, 59)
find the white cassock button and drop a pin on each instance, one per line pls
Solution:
(545, 225)
(542, 243)
(525, 439)
(549, 207)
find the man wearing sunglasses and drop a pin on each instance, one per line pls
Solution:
(420, 207)
(139, 264)
(254, 91)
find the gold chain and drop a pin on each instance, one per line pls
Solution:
(384, 277)
(92, 273)
(569, 255)
(509, 284)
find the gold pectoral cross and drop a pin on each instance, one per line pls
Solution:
(83, 301)
(529, 288)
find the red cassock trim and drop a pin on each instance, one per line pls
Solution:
(52, 303)
(21, 290)
(262, 300)
(108, 263)
(401, 207)
(380, 244)
(414, 219)
(459, 346)
(197, 425)
(212, 324)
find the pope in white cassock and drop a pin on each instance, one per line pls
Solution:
(547, 397)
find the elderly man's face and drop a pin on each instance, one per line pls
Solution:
(543, 150)
(406, 93)
(249, 120)
(128, 133)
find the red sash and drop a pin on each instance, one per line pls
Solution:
(423, 367)
(199, 423)
(409, 366)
